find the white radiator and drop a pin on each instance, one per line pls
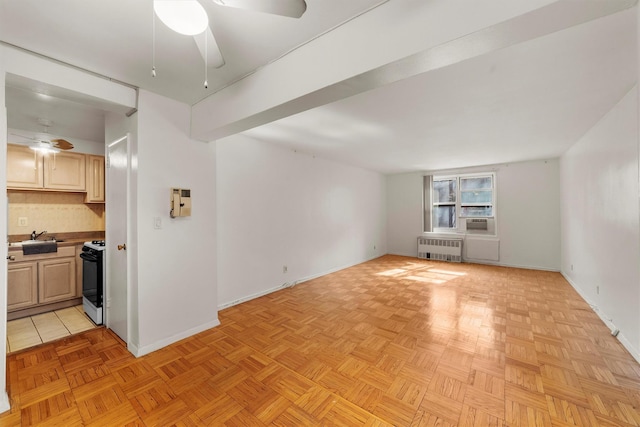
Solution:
(440, 249)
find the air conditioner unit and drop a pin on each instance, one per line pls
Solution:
(480, 226)
(477, 224)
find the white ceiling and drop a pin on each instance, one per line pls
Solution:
(531, 100)
(69, 119)
(114, 38)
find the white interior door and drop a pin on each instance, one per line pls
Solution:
(117, 200)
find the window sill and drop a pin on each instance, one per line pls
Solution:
(443, 234)
(460, 234)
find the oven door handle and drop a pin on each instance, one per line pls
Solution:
(88, 257)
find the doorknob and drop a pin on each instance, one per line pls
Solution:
(123, 246)
(11, 257)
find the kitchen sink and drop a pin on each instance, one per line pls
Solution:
(32, 247)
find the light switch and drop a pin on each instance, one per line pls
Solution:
(157, 223)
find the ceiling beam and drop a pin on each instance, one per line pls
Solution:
(339, 63)
(37, 73)
(322, 71)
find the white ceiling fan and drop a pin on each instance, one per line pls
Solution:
(47, 145)
(188, 17)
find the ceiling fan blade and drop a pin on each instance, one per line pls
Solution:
(62, 144)
(26, 137)
(290, 8)
(214, 56)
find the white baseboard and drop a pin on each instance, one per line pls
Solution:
(141, 351)
(500, 264)
(412, 254)
(290, 284)
(133, 349)
(252, 296)
(5, 405)
(484, 262)
(605, 318)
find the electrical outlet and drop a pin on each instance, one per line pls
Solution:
(374, 247)
(284, 269)
(598, 290)
(22, 221)
(157, 223)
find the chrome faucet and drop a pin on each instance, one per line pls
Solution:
(35, 236)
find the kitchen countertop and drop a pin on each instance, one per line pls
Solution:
(17, 246)
(66, 239)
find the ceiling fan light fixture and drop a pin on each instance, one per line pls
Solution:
(186, 17)
(43, 147)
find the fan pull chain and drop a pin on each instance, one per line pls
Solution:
(153, 41)
(206, 53)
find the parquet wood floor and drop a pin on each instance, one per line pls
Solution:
(395, 341)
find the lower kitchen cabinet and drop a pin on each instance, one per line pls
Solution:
(22, 291)
(56, 280)
(38, 280)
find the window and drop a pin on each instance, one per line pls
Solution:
(476, 197)
(449, 198)
(444, 203)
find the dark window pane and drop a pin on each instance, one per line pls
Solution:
(476, 183)
(444, 217)
(480, 196)
(476, 211)
(444, 191)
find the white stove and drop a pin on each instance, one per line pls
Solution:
(93, 279)
(95, 244)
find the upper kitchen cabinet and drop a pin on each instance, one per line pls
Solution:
(28, 169)
(65, 171)
(24, 167)
(95, 179)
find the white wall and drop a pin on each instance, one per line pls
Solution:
(404, 213)
(600, 219)
(277, 207)
(176, 277)
(528, 213)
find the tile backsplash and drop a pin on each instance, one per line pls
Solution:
(56, 212)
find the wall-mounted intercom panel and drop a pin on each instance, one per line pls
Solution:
(180, 202)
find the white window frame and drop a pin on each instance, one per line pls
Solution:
(455, 204)
(459, 217)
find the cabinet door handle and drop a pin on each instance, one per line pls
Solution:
(123, 246)
(11, 257)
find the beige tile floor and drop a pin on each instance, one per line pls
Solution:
(31, 331)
